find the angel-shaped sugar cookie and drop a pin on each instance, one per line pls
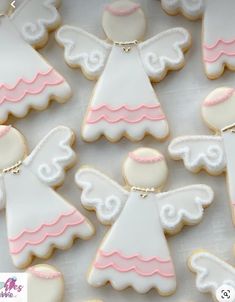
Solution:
(26, 79)
(124, 102)
(216, 153)
(214, 276)
(135, 251)
(218, 30)
(38, 219)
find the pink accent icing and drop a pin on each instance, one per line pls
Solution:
(122, 11)
(146, 160)
(125, 114)
(25, 87)
(215, 52)
(45, 274)
(4, 130)
(220, 99)
(46, 230)
(144, 267)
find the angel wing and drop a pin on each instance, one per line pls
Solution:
(211, 272)
(2, 194)
(52, 155)
(164, 52)
(34, 18)
(192, 9)
(200, 152)
(83, 50)
(183, 206)
(101, 194)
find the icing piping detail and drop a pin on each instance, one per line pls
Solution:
(146, 160)
(122, 11)
(126, 107)
(110, 121)
(216, 51)
(4, 130)
(220, 99)
(44, 275)
(24, 87)
(220, 41)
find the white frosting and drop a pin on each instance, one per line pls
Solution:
(124, 28)
(137, 236)
(218, 36)
(12, 147)
(200, 152)
(46, 288)
(25, 88)
(134, 110)
(46, 220)
(145, 175)
(211, 272)
(218, 109)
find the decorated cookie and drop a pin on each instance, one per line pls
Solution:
(26, 79)
(215, 154)
(214, 276)
(38, 219)
(135, 251)
(218, 36)
(124, 102)
(45, 284)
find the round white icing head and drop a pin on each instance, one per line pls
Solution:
(124, 21)
(5, 6)
(218, 109)
(45, 283)
(12, 147)
(145, 168)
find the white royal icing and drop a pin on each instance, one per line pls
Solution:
(218, 36)
(135, 252)
(211, 272)
(132, 110)
(45, 283)
(24, 88)
(39, 219)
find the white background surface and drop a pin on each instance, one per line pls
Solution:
(181, 94)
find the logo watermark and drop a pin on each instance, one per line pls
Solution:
(13, 287)
(225, 293)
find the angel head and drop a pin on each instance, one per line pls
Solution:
(124, 21)
(12, 147)
(218, 109)
(5, 6)
(145, 168)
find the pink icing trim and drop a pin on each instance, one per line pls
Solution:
(25, 87)
(4, 130)
(125, 113)
(138, 256)
(38, 236)
(146, 160)
(215, 52)
(124, 264)
(44, 275)
(220, 99)
(122, 11)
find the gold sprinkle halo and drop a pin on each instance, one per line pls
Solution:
(126, 46)
(229, 128)
(144, 191)
(15, 169)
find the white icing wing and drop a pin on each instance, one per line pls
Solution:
(192, 9)
(52, 156)
(34, 18)
(101, 194)
(211, 272)
(183, 206)
(164, 52)
(200, 152)
(2, 194)
(83, 50)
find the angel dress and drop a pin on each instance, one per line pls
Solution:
(124, 102)
(26, 79)
(38, 218)
(135, 252)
